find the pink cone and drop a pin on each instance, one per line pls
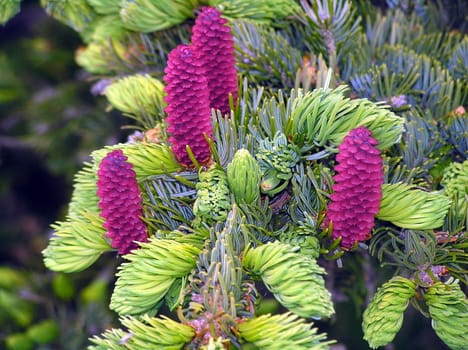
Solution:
(120, 202)
(358, 188)
(188, 109)
(213, 41)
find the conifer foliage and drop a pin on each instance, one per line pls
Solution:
(292, 141)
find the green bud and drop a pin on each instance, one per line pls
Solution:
(76, 14)
(455, 182)
(410, 208)
(448, 308)
(262, 11)
(276, 159)
(93, 58)
(243, 175)
(150, 16)
(108, 27)
(105, 7)
(383, 316)
(136, 93)
(213, 198)
(455, 179)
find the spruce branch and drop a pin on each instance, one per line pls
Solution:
(217, 286)
(169, 199)
(150, 16)
(77, 14)
(8, 9)
(383, 316)
(392, 28)
(145, 279)
(264, 56)
(421, 147)
(455, 132)
(239, 131)
(435, 89)
(147, 159)
(261, 11)
(411, 208)
(230, 135)
(294, 279)
(311, 186)
(323, 117)
(459, 60)
(84, 195)
(412, 251)
(286, 331)
(443, 46)
(105, 7)
(336, 22)
(448, 308)
(213, 201)
(212, 232)
(145, 333)
(76, 243)
(381, 84)
(139, 96)
(273, 114)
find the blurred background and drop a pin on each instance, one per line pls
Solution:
(49, 124)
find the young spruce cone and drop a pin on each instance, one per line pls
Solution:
(188, 108)
(120, 202)
(357, 188)
(212, 39)
(243, 175)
